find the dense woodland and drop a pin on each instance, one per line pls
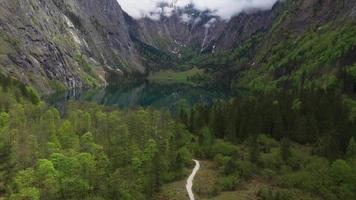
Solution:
(318, 58)
(87, 152)
(299, 141)
(302, 142)
(294, 127)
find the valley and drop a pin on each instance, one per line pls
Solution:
(177, 100)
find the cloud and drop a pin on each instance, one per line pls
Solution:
(223, 8)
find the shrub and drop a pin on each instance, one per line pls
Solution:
(224, 148)
(266, 143)
(272, 160)
(229, 183)
(266, 193)
(246, 169)
(268, 174)
(221, 160)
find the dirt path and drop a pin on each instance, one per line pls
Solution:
(190, 180)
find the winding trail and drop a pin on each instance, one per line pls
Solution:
(189, 185)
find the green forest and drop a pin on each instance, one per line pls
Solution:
(301, 142)
(90, 152)
(264, 101)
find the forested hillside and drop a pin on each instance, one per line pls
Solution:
(284, 130)
(300, 144)
(310, 45)
(89, 152)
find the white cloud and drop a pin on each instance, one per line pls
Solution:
(210, 23)
(223, 8)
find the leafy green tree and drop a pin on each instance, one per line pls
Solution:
(183, 109)
(185, 156)
(66, 136)
(87, 142)
(30, 193)
(121, 146)
(48, 180)
(344, 179)
(25, 181)
(66, 166)
(205, 137)
(7, 161)
(4, 119)
(74, 183)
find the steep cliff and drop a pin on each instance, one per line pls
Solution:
(201, 31)
(310, 44)
(55, 44)
(38, 43)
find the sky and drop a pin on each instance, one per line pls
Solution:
(223, 8)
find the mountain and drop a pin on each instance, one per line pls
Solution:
(57, 44)
(200, 31)
(310, 44)
(81, 43)
(306, 44)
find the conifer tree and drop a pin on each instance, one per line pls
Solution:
(351, 149)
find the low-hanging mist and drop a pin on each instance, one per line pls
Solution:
(223, 8)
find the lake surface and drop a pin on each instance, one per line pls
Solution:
(142, 95)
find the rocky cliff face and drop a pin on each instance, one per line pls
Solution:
(38, 44)
(184, 28)
(103, 27)
(55, 44)
(202, 31)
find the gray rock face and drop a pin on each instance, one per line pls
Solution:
(53, 44)
(36, 44)
(104, 28)
(172, 33)
(201, 31)
(242, 27)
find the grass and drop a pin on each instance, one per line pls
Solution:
(203, 187)
(171, 76)
(248, 190)
(205, 180)
(207, 177)
(173, 191)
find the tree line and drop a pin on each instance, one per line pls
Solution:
(301, 141)
(90, 152)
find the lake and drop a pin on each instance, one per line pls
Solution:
(148, 94)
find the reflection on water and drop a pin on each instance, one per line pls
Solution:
(142, 95)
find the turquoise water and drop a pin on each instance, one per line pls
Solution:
(143, 95)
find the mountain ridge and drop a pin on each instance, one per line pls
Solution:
(61, 44)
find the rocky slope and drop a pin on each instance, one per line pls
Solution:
(310, 44)
(201, 31)
(56, 44)
(37, 43)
